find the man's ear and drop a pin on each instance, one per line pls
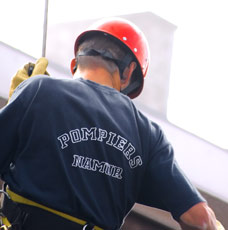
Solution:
(73, 66)
(127, 73)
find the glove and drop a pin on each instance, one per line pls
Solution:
(219, 226)
(23, 74)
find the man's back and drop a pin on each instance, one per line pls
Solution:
(80, 149)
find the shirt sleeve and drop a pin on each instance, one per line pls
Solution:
(165, 185)
(10, 117)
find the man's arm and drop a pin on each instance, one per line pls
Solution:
(12, 114)
(165, 186)
(200, 217)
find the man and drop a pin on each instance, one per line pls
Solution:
(77, 154)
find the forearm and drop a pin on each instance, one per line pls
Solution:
(200, 217)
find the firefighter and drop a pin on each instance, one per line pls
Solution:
(77, 153)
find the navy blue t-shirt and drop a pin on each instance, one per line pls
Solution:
(84, 149)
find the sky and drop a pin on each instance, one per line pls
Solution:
(199, 69)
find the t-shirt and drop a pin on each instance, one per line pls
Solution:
(85, 149)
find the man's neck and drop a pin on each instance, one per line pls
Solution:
(100, 76)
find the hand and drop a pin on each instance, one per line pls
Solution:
(200, 217)
(185, 226)
(22, 74)
(38, 68)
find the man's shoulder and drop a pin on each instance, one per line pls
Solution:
(42, 82)
(33, 85)
(35, 80)
(40, 79)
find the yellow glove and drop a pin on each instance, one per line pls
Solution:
(219, 226)
(23, 74)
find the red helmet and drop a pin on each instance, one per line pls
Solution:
(129, 35)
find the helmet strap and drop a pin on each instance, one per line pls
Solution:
(121, 64)
(106, 55)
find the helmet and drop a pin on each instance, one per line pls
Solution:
(129, 36)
